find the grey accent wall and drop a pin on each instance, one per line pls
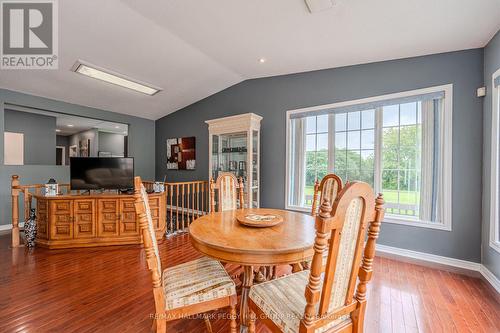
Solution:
(112, 142)
(491, 258)
(39, 135)
(271, 97)
(91, 134)
(141, 145)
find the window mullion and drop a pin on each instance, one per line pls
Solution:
(377, 177)
(331, 142)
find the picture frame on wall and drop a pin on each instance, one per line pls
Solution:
(181, 153)
(84, 146)
(73, 151)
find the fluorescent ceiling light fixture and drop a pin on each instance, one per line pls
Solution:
(70, 125)
(114, 78)
(58, 130)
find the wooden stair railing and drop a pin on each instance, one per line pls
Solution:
(186, 201)
(26, 192)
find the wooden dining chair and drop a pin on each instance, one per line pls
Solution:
(230, 196)
(329, 187)
(334, 300)
(194, 287)
(230, 192)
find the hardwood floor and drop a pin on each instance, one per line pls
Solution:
(109, 290)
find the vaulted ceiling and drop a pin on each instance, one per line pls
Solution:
(195, 48)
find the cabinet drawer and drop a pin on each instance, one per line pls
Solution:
(108, 205)
(61, 219)
(84, 219)
(154, 202)
(107, 217)
(127, 205)
(61, 207)
(84, 206)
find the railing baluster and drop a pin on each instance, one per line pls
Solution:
(182, 204)
(192, 202)
(195, 204)
(171, 189)
(177, 200)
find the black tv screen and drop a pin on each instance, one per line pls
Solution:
(94, 173)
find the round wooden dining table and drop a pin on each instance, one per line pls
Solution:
(222, 237)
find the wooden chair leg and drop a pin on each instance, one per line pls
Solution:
(358, 318)
(159, 325)
(233, 325)
(207, 323)
(251, 323)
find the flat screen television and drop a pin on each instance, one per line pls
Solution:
(94, 173)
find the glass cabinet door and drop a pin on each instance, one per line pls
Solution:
(254, 186)
(230, 154)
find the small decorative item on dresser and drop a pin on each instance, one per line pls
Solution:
(30, 229)
(51, 188)
(158, 187)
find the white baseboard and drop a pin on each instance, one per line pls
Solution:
(445, 261)
(491, 278)
(4, 227)
(463, 264)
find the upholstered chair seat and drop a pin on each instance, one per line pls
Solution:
(282, 300)
(194, 282)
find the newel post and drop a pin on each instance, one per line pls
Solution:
(15, 189)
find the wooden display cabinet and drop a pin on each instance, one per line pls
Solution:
(234, 146)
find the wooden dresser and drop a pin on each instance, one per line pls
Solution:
(67, 221)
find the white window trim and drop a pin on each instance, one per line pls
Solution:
(495, 165)
(447, 153)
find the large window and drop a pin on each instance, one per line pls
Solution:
(495, 164)
(400, 144)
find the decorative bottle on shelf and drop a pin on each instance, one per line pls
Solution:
(30, 229)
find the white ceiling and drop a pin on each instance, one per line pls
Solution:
(194, 48)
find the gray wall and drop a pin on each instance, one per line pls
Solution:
(112, 142)
(91, 134)
(39, 135)
(271, 97)
(491, 258)
(141, 144)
